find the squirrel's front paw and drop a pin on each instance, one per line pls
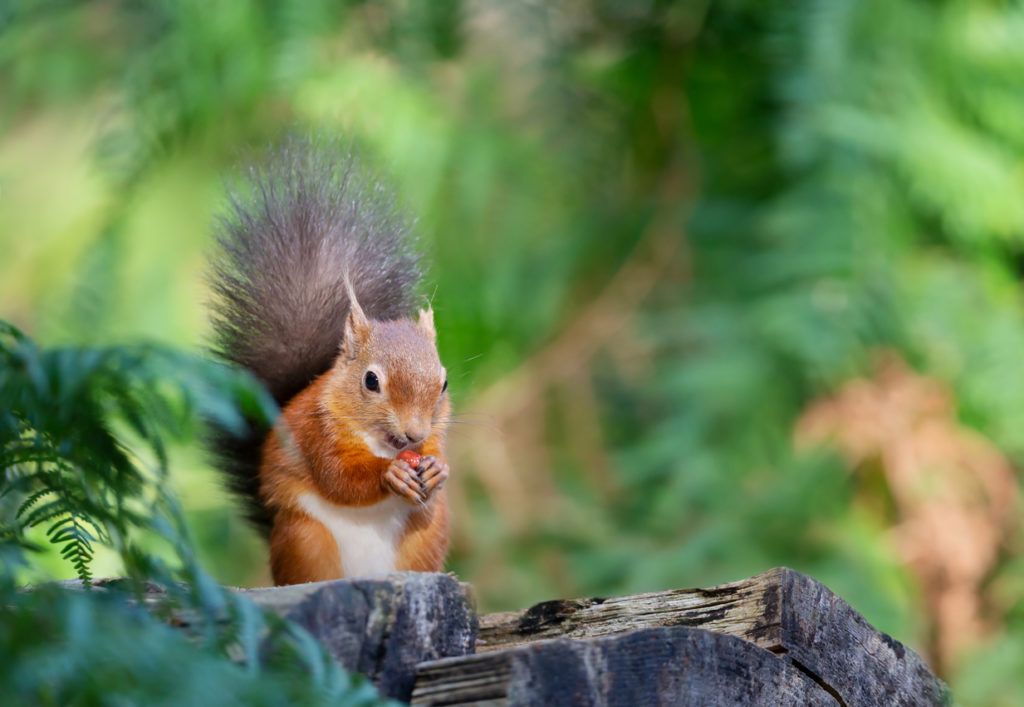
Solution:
(403, 482)
(433, 472)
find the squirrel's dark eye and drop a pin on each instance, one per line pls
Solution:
(445, 386)
(371, 382)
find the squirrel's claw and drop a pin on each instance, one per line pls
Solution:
(432, 474)
(404, 483)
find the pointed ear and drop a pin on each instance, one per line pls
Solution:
(426, 323)
(357, 326)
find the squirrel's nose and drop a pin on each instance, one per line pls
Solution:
(415, 435)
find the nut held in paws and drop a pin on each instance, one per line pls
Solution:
(410, 457)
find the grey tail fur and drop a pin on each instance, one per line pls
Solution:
(309, 213)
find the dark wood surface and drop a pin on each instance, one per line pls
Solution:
(658, 666)
(777, 638)
(381, 627)
(791, 615)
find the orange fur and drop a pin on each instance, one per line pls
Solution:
(302, 550)
(319, 447)
(424, 543)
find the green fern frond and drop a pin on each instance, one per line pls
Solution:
(31, 501)
(77, 544)
(45, 512)
(74, 422)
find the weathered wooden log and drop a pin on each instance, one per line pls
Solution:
(659, 666)
(780, 610)
(739, 643)
(381, 627)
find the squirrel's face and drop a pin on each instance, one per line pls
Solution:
(392, 372)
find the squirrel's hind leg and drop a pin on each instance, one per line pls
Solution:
(302, 550)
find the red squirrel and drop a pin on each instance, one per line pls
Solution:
(312, 291)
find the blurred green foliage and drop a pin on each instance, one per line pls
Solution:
(82, 435)
(833, 176)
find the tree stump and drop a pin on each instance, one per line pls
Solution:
(381, 627)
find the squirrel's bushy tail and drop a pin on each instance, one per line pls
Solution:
(305, 215)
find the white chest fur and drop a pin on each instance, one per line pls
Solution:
(367, 536)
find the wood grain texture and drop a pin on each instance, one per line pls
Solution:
(748, 609)
(822, 634)
(780, 610)
(381, 627)
(660, 666)
(738, 643)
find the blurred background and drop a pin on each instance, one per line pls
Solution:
(720, 285)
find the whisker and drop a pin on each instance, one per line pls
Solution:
(484, 421)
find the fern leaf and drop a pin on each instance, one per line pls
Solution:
(77, 547)
(31, 501)
(46, 512)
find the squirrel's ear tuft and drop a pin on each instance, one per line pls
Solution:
(357, 326)
(426, 322)
(356, 331)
